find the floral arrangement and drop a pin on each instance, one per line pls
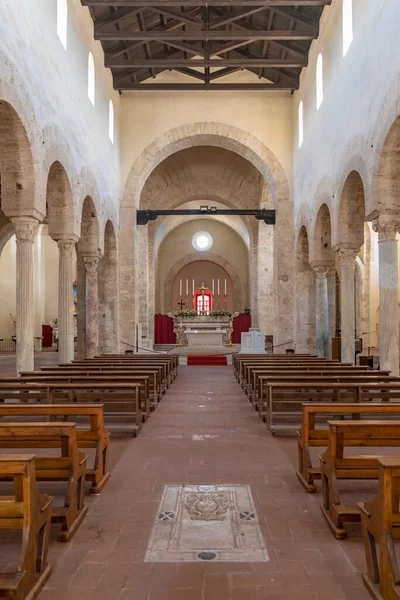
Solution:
(220, 313)
(187, 313)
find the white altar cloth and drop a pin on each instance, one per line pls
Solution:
(198, 338)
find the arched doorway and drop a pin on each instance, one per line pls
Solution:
(193, 275)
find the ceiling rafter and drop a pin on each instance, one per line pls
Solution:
(207, 41)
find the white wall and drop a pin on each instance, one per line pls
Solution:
(38, 70)
(360, 94)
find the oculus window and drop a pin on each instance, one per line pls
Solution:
(202, 241)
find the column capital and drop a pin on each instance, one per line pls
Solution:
(25, 228)
(387, 226)
(321, 271)
(91, 263)
(347, 256)
(66, 247)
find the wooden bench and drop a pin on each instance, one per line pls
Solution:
(335, 466)
(285, 400)
(71, 376)
(29, 512)
(281, 364)
(173, 358)
(313, 434)
(262, 376)
(91, 435)
(155, 388)
(69, 467)
(164, 368)
(381, 527)
(119, 399)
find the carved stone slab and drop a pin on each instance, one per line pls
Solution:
(206, 523)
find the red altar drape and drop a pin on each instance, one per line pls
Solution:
(164, 330)
(240, 323)
(47, 336)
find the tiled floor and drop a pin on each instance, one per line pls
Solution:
(205, 432)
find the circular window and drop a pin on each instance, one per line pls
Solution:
(202, 241)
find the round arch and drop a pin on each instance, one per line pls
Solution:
(253, 150)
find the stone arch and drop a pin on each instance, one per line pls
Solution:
(193, 257)
(388, 175)
(108, 292)
(305, 296)
(89, 242)
(60, 202)
(253, 150)
(351, 213)
(87, 187)
(321, 251)
(17, 169)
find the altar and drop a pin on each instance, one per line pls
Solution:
(206, 324)
(207, 339)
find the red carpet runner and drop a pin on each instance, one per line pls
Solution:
(207, 360)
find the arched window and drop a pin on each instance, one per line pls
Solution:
(91, 78)
(111, 121)
(62, 21)
(319, 81)
(347, 18)
(301, 124)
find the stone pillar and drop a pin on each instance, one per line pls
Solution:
(92, 306)
(387, 229)
(25, 229)
(347, 257)
(81, 311)
(65, 301)
(321, 310)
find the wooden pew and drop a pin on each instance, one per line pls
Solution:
(271, 364)
(313, 434)
(30, 512)
(91, 435)
(119, 399)
(381, 527)
(163, 366)
(72, 376)
(173, 358)
(69, 467)
(239, 360)
(335, 466)
(262, 376)
(155, 387)
(285, 399)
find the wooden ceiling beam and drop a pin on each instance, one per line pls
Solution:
(182, 17)
(115, 17)
(245, 34)
(240, 63)
(235, 16)
(180, 87)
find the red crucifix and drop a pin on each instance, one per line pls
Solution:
(203, 300)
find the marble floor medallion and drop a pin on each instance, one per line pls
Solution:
(206, 523)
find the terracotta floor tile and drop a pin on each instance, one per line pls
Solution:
(222, 442)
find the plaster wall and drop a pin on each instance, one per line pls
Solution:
(47, 86)
(146, 115)
(228, 247)
(360, 102)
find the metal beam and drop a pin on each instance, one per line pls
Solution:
(246, 34)
(210, 3)
(240, 63)
(144, 216)
(181, 87)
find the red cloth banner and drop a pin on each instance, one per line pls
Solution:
(164, 330)
(47, 336)
(241, 323)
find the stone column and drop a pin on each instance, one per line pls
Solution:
(321, 310)
(25, 229)
(387, 229)
(347, 257)
(65, 301)
(92, 306)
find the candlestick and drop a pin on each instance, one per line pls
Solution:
(218, 287)
(213, 287)
(225, 287)
(180, 287)
(187, 287)
(193, 288)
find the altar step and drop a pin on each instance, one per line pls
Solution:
(164, 347)
(207, 360)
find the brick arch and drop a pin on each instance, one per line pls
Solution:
(250, 148)
(194, 257)
(60, 202)
(321, 236)
(351, 212)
